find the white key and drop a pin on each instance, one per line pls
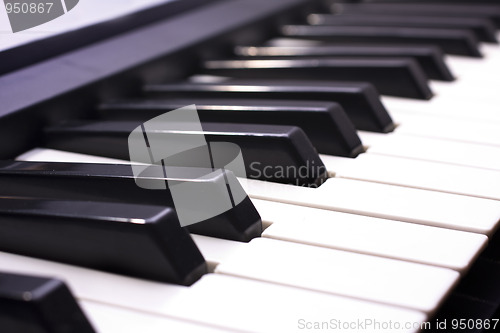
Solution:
(112, 319)
(466, 68)
(392, 239)
(459, 153)
(333, 271)
(264, 307)
(387, 201)
(442, 127)
(216, 250)
(370, 199)
(382, 280)
(223, 301)
(457, 107)
(417, 174)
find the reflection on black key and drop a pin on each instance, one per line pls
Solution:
(436, 9)
(264, 147)
(459, 42)
(326, 124)
(116, 183)
(360, 101)
(483, 29)
(143, 241)
(31, 304)
(391, 76)
(430, 58)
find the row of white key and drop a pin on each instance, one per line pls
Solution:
(217, 300)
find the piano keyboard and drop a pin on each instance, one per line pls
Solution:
(394, 227)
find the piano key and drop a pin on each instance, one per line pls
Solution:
(391, 76)
(430, 58)
(325, 123)
(391, 202)
(452, 41)
(387, 201)
(392, 282)
(443, 127)
(483, 29)
(359, 100)
(99, 235)
(117, 183)
(369, 235)
(465, 11)
(417, 174)
(107, 318)
(216, 299)
(39, 305)
(428, 149)
(298, 267)
(264, 146)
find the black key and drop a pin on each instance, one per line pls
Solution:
(264, 147)
(326, 124)
(483, 29)
(391, 76)
(459, 42)
(143, 241)
(430, 58)
(116, 183)
(30, 304)
(427, 9)
(360, 101)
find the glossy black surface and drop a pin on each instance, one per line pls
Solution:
(326, 124)
(459, 42)
(116, 183)
(429, 9)
(430, 58)
(30, 304)
(391, 76)
(264, 147)
(360, 101)
(483, 29)
(144, 241)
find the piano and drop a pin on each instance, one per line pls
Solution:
(369, 131)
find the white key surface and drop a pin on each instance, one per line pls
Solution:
(418, 174)
(382, 280)
(429, 149)
(113, 319)
(387, 201)
(475, 109)
(369, 235)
